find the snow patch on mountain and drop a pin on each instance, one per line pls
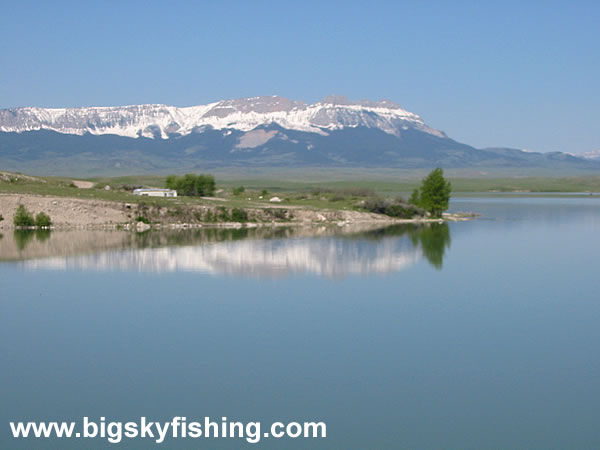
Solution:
(246, 114)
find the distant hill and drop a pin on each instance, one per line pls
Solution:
(250, 132)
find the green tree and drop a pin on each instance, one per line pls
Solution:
(434, 194)
(187, 185)
(205, 185)
(415, 197)
(191, 184)
(171, 182)
(23, 218)
(42, 220)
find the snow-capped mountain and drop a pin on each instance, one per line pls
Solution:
(248, 132)
(245, 114)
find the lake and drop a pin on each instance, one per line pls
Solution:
(478, 334)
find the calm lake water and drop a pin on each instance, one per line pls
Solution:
(480, 334)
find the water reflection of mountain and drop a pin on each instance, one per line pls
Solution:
(261, 254)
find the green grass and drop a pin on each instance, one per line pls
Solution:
(385, 184)
(61, 188)
(336, 191)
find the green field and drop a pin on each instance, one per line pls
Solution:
(293, 184)
(383, 184)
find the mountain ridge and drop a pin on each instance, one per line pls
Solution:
(248, 132)
(245, 114)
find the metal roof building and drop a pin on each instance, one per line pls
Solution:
(155, 192)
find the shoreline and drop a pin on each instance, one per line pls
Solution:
(70, 213)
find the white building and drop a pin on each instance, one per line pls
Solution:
(155, 192)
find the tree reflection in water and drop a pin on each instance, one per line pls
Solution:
(433, 238)
(24, 237)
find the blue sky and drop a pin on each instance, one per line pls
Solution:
(520, 74)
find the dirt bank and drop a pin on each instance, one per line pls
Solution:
(65, 212)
